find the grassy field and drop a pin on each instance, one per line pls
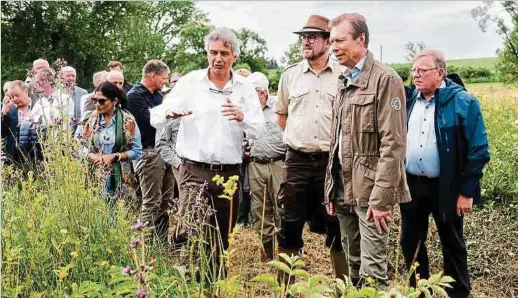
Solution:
(59, 239)
(488, 62)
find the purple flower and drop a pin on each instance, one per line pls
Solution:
(126, 270)
(141, 293)
(138, 226)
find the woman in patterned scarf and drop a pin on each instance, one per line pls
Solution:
(111, 140)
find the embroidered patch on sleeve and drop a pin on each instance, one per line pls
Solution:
(396, 104)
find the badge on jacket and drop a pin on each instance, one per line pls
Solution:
(396, 104)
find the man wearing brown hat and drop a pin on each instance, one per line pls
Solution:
(304, 103)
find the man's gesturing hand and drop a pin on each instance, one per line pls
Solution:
(176, 114)
(381, 219)
(232, 111)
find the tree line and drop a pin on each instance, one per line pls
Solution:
(89, 34)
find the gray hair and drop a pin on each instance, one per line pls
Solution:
(68, 69)
(438, 57)
(100, 75)
(226, 35)
(17, 83)
(155, 67)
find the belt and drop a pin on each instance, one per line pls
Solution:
(422, 178)
(311, 155)
(212, 167)
(267, 160)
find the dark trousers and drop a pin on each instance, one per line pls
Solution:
(193, 177)
(414, 231)
(243, 216)
(300, 200)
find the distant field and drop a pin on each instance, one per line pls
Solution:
(488, 62)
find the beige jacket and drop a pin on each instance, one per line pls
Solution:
(369, 118)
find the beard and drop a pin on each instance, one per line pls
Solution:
(313, 54)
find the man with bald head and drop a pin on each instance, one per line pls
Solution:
(116, 77)
(68, 76)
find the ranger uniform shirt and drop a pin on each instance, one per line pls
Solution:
(307, 98)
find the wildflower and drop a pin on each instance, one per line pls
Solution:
(138, 226)
(109, 251)
(126, 270)
(141, 293)
(105, 264)
(74, 254)
(63, 231)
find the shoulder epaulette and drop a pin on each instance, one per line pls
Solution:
(290, 66)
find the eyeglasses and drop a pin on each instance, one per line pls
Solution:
(310, 38)
(216, 91)
(421, 71)
(100, 101)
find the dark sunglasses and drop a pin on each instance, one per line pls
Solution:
(101, 101)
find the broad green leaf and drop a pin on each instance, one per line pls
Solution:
(280, 266)
(266, 278)
(438, 290)
(300, 272)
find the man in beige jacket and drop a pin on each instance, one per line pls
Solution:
(365, 175)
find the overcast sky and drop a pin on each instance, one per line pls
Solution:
(445, 25)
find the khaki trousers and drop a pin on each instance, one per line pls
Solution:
(156, 184)
(265, 180)
(365, 249)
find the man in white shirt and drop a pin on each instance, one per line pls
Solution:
(53, 108)
(217, 107)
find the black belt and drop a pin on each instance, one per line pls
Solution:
(311, 155)
(267, 160)
(421, 178)
(212, 167)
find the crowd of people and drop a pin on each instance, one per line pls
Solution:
(339, 146)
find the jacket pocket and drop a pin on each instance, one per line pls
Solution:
(362, 112)
(364, 175)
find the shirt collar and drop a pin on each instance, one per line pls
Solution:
(306, 67)
(353, 73)
(234, 79)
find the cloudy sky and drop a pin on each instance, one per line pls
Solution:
(445, 25)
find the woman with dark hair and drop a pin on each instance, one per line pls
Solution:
(112, 139)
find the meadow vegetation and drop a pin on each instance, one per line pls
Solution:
(60, 239)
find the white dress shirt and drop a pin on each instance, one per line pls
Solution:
(55, 110)
(206, 135)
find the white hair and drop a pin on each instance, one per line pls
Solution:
(68, 69)
(226, 35)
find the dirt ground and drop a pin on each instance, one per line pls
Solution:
(491, 235)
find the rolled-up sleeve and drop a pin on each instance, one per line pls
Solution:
(136, 146)
(282, 102)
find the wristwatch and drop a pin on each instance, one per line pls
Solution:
(117, 157)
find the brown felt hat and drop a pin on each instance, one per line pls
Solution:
(315, 24)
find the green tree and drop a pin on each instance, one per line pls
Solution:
(190, 52)
(507, 65)
(89, 34)
(293, 54)
(252, 48)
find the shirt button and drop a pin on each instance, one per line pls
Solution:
(421, 146)
(424, 119)
(420, 159)
(317, 106)
(317, 90)
(315, 137)
(422, 172)
(316, 121)
(422, 132)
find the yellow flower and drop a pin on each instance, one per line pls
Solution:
(74, 254)
(104, 264)
(109, 251)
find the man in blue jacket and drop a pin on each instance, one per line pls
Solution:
(447, 149)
